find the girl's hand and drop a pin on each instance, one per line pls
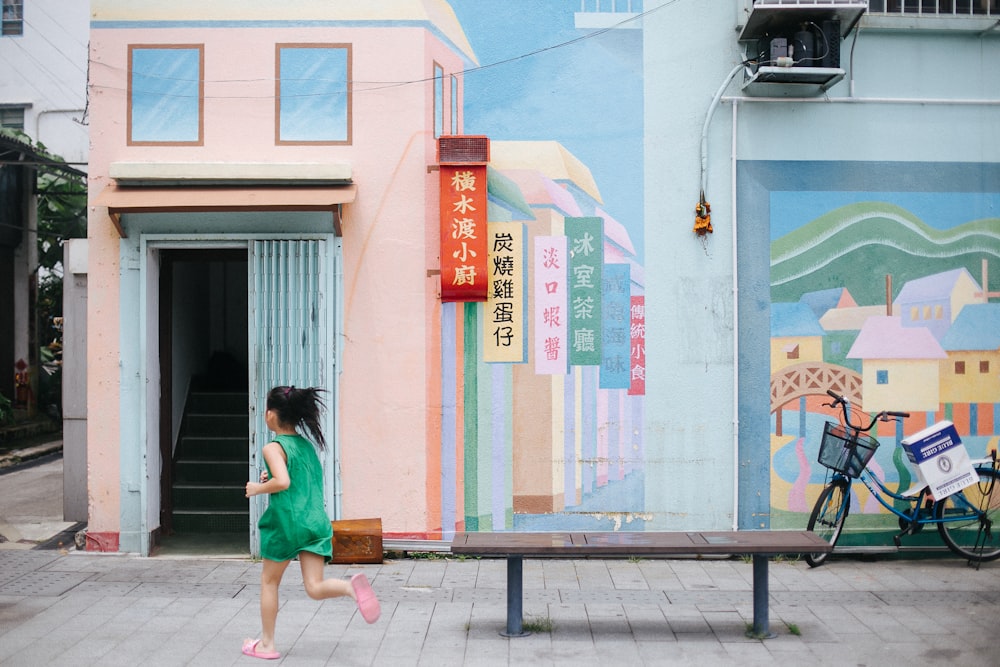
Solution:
(252, 489)
(263, 476)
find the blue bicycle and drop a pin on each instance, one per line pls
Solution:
(964, 519)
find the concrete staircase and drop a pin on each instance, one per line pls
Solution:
(210, 465)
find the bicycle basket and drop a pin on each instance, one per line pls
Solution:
(840, 453)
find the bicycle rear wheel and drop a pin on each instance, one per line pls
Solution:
(828, 516)
(970, 519)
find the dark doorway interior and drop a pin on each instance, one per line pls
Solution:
(204, 424)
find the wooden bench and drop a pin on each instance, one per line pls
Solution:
(760, 544)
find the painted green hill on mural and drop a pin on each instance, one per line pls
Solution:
(857, 245)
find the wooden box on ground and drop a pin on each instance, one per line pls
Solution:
(357, 541)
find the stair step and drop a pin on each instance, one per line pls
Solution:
(211, 464)
(216, 424)
(192, 471)
(220, 448)
(219, 402)
(209, 497)
(211, 521)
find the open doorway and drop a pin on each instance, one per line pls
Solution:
(204, 401)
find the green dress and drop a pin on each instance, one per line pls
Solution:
(295, 519)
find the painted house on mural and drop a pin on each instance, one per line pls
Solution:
(796, 335)
(838, 315)
(242, 169)
(935, 301)
(971, 372)
(900, 366)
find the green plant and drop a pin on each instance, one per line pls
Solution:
(6, 411)
(61, 214)
(786, 558)
(428, 555)
(538, 624)
(794, 629)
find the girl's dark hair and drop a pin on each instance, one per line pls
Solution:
(299, 408)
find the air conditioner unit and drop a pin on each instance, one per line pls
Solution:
(796, 44)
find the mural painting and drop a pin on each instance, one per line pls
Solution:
(548, 375)
(891, 297)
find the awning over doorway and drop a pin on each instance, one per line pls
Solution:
(121, 199)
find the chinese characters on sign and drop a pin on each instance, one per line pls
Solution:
(464, 246)
(638, 319)
(585, 239)
(551, 262)
(616, 339)
(504, 327)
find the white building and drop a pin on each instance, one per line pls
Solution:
(43, 81)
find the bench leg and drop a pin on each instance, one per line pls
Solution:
(515, 609)
(761, 595)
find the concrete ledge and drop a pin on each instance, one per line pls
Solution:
(26, 430)
(17, 456)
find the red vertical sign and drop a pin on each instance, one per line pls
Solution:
(463, 233)
(637, 385)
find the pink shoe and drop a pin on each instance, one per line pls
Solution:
(367, 602)
(250, 649)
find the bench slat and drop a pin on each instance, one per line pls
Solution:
(639, 543)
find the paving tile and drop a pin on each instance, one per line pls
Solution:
(122, 610)
(44, 583)
(175, 590)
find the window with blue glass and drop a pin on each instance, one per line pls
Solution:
(881, 377)
(314, 93)
(438, 100)
(165, 94)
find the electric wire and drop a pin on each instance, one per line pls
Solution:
(39, 7)
(356, 86)
(75, 62)
(57, 80)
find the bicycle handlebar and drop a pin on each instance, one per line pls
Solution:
(843, 403)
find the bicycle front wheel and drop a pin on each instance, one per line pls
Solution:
(828, 516)
(970, 519)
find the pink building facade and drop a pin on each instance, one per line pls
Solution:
(212, 142)
(265, 209)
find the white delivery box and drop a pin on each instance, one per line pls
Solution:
(941, 459)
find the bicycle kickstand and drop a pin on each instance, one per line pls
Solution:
(898, 539)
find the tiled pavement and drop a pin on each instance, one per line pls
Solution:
(89, 609)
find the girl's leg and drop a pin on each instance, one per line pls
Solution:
(317, 587)
(358, 588)
(270, 580)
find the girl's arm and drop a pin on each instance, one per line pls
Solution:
(279, 480)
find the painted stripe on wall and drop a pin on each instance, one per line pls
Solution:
(469, 447)
(449, 408)
(500, 445)
(503, 448)
(558, 442)
(571, 472)
(588, 427)
(604, 428)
